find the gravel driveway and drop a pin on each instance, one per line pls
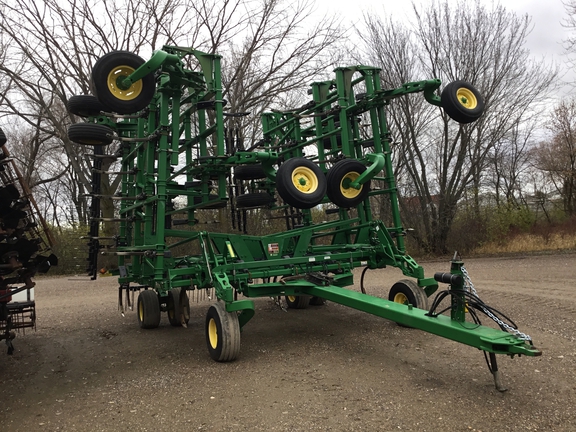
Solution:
(87, 368)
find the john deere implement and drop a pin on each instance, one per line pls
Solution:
(180, 156)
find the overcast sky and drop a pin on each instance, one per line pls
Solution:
(545, 41)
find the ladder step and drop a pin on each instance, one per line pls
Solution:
(332, 210)
(140, 197)
(103, 157)
(98, 238)
(133, 171)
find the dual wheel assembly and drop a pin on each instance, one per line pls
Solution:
(176, 305)
(302, 184)
(222, 327)
(113, 92)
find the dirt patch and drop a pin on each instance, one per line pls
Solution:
(323, 368)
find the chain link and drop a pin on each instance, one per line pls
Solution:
(469, 286)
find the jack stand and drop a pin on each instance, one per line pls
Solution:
(496, 373)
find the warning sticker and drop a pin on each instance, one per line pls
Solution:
(273, 249)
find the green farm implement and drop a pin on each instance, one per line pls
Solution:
(180, 158)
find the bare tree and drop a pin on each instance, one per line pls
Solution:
(442, 159)
(50, 47)
(275, 51)
(557, 157)
(509, 165)
(570, 23)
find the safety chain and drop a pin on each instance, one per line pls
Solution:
(470, 287)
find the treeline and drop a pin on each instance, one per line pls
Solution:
(459, 185)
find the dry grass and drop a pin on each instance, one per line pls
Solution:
(528, 242)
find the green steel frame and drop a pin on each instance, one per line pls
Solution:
(176, 147)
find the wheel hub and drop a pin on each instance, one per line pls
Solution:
(401, 298)
(345, 189)
(213, 333)
(118, 88)
(304, 180)
(466, 98)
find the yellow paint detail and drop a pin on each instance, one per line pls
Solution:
(467, 98)
(213, 333)
(304, 180)
(118, 73)
(292, 299)
(345, 189)
(230, 250)
(401, 298)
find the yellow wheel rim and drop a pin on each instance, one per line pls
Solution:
(115, 76)
(401, 298)
(304, 180)
(345, 188)
(467, 98)
(213, 333)
(292, 299)
(141, 311)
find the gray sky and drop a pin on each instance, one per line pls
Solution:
(545, 40)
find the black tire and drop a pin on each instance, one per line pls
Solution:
(462, 102)
(317, 301)
(298, 302)
(222, 333)
(338, 179)
(214, 202)
(105, 75)
(178, 307)
(84, 105)
(2, 138)
(90, 134)
(257, 199)
(407, 291)
(249, 172)
(148, 309)
(301, 183)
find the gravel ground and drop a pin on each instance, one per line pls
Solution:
(323, 368)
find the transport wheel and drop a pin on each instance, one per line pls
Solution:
(249, 172)
(2, 138)
(178, 306)
(298, 302)
(257, 199)
(407, 291)
(148, 309)
(300, 183)
(339, 178)
(317, 301)
(462, 102)
(84, 105)
(222, 333)
(107, 76)
(90, 134)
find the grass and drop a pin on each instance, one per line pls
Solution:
(529, 243)
(541, 238)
